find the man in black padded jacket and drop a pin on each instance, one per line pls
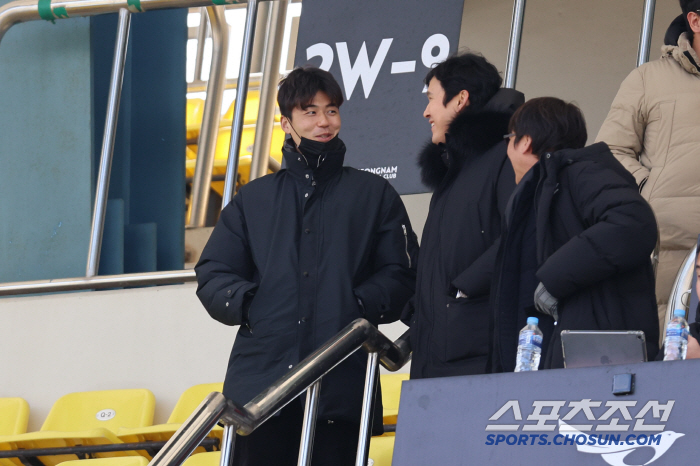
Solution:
(467, 167)
(577, 238)
(297, 256)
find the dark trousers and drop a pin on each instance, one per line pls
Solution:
(276, 442)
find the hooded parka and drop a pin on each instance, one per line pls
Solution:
(310, 243)
(472, 179)
(653, 129)
(593, 239)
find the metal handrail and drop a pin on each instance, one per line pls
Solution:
(97, 283)
(516, 34)
(645, 33)
(682, 287)
(268, 90)
(30, 10)
(245, 419)
(208, 135)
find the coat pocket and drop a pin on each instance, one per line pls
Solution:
(467, 329)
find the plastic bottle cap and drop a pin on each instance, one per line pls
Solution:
(679, 313)
(535, 320)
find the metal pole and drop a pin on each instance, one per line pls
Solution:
(228, 445)
(209, 133)
(259, 42)
(201, 40)
(115, 92)
(241, 95)
(516, 34)
(365, 427)
(268, 90)
(645, 34)
(190, 434)
(309, 427)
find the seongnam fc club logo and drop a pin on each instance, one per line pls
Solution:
(612, 429)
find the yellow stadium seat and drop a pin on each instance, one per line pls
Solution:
(185, 406)
(391, 394)
(204, 459)
(124, 461)
(14, 416)
(87, 418)
(381, 450)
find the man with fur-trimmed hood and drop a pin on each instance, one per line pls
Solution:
(467, 167)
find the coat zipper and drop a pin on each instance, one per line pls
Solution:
(405, 236)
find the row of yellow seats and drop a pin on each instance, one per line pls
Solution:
(126, 416)
(96, 418)
(195, 108)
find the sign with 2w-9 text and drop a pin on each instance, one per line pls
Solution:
(380, 51)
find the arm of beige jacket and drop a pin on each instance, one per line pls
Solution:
(623, 129)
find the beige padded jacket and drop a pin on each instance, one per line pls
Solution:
(653, 129)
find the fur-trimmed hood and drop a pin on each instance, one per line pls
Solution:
(470, 134)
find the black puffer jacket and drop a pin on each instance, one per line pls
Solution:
(472, 179)
(594, 238)
(309, 242)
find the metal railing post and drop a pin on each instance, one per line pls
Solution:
(268, 90)
(201, 40)
(366, 419)
(209, 133)
(107, 152)
(308, 429)
(239, 110)
(645, 33)
(516, 34)
(228, 444)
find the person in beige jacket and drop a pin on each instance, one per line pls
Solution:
(653, 129)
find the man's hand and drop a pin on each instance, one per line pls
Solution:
(546, 303)
(693, 348)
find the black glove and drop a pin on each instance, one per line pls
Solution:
(546, 303)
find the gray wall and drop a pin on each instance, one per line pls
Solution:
(577, 50)
(45, 150)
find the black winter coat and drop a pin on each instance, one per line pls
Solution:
(594, 238)
(449, 336)
(309, 243)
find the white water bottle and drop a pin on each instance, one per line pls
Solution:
(529, 346)
(676, 342)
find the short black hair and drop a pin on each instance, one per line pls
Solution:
(301, 85)
(687, 6)
(468, 71)
(551, 123)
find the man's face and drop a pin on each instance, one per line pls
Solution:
(320, 121)
(521, 156)
(440, 115)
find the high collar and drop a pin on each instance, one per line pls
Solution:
(684, 54)
(330, 163)
(553, 163)
(470, 134)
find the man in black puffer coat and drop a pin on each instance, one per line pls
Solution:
(577, 238)
(467, 168)
(294, 258)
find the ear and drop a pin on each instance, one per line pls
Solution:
(694, 21)
(524, 146)
(286, 126)
(462, 100)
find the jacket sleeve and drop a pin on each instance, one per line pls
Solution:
(475, 280)
(225, 269)
(385, 293)
(623, 129)
(620, 234)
